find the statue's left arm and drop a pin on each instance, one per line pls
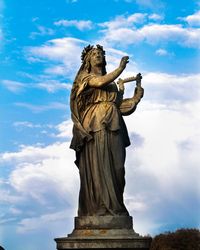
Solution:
(129, 105)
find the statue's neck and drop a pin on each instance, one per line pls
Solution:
(96, 70)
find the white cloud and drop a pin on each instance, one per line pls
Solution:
(116, 30)
(162, 171)
(49, 85)
(65, 51)
(42, 176)
(79, 24)
(13, 86)
(65, 129)
(123, 21)
(163, 52)
(42, 31)
(53, 86)
(155, 33)
(56, 70)
(193, 20)
(42, 108)
(37, 167)
(44, 221)
(156, 17)
(27, 124)
(151, 4)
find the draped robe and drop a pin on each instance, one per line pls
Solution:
(99, 138)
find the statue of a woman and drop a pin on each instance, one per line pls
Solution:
(99, 133)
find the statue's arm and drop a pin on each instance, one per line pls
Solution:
(129, 105)
(100, 81)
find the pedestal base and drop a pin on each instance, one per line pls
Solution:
(103, 232)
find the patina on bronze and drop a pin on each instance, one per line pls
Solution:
(100, 135)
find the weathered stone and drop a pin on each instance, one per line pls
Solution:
(103, 232)
(103, 222)
(136, 243)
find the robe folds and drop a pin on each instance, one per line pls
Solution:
(99, 138)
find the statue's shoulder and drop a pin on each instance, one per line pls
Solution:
(85, 77)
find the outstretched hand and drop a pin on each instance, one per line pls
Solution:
(138, 77)
(123, 62)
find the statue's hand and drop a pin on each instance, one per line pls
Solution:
(138, 77)
(123, 62)
(139, 93)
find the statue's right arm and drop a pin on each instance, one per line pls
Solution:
(100, 81)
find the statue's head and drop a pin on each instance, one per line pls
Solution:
(93, 56)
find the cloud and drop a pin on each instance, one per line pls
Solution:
(42, 108)
(65, 129)
(49, 85)
(193, 20)
(115, 31)
(2, 6)
(123, 21)
(156, 17)
(162, 52)
(65, 51)
(161, 164)
(42, 31)
(26, 124)
(13, 86)
(79, 24)
(45, 221)
(52, 86)
(162, 172)
(170, 89)
(155, 33)
(150, 4)
(42, 177)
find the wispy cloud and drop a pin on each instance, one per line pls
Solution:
(49, 85)
(53, 86)
(42, 31)
(27, 124)
(64, 52)
(2, 6)
(125, 21)
(79, 24)
(42, 108)
(156, 17)
(13, 86)
(163, 52)
(150, 4)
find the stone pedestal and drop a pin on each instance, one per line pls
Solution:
(103, 232)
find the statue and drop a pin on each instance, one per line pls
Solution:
(100, 138)
(100, 135)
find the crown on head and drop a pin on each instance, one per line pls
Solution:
(88, 48)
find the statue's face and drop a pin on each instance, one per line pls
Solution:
(96, 58)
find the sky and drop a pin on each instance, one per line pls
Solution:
(40, 48)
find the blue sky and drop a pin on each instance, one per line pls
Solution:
(40, 46)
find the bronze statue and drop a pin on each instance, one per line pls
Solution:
(99, 134)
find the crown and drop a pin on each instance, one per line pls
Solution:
(88, 48)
